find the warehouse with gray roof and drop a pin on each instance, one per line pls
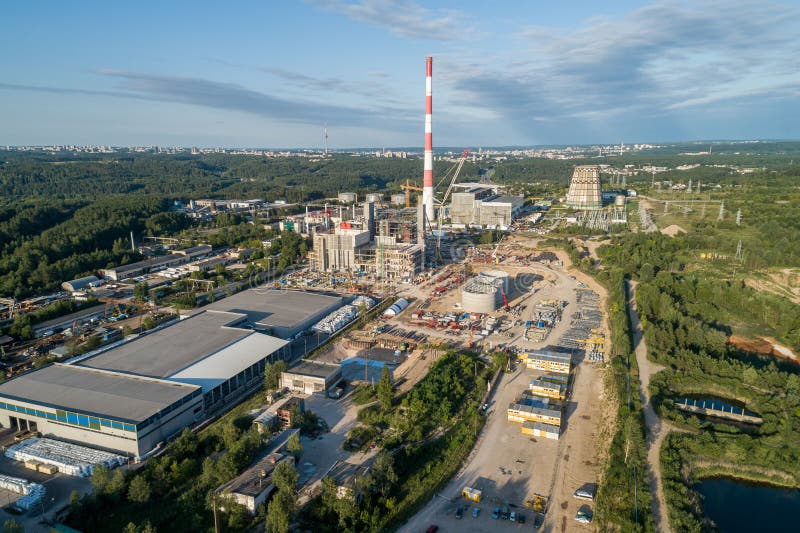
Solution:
(133, 396)
(282, 313)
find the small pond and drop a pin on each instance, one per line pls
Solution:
(736, 506)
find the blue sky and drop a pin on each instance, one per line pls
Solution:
(271, 73)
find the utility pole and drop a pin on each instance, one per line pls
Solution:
(216, 518)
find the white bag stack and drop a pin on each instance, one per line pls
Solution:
(336, 320)
(32, 493)
(70, 459)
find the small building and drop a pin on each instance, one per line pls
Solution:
(252, 487)
(548, 389)
(541, 429)
(549, 361)
(55, 325)
(533, 409)
(81, 283)
(311, 376)
(279, 415)
(345, 474)
(206, 265)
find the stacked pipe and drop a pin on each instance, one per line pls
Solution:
(427, 182)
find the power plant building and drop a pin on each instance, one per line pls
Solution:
(584, 188)
(483, 206)
(336, 251)
(385, 248)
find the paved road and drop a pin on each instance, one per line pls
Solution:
(657, 429)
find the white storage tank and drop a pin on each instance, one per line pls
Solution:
(347, 197)
(484, 293)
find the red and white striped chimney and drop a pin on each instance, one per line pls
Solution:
(427, 183)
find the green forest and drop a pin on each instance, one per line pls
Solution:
(687, 317)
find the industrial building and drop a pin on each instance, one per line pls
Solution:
(81, 284)
(548, 361)
(486, 292)
(134, 396)
(154, 264)
(282, 313)
(112, 410)
(311, 376)
(584, 188)
(481, 205)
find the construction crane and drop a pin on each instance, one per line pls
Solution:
(452, 174)
(408, 188)
(456, 169)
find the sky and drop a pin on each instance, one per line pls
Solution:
(274, 73)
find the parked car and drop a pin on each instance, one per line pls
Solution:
(475, 512)
(584, 515)
(521, 518)
(496, 513)
(459, 513)
(513, 516)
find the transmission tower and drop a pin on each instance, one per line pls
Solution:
(689, 188)
(739, 251)
(738, 217)
(721, 215)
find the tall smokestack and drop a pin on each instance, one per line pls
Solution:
(427, 183)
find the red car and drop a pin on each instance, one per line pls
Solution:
(432, 529)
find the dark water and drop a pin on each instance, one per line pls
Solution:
(740, 507)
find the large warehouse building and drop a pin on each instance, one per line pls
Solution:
(134, 396)
(280, 313)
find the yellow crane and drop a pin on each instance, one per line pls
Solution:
(408, 188)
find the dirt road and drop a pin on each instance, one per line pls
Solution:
(657, 429)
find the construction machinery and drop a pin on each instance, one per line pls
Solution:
(408, 187)
(538, 503)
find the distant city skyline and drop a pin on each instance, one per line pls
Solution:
(272, 74)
